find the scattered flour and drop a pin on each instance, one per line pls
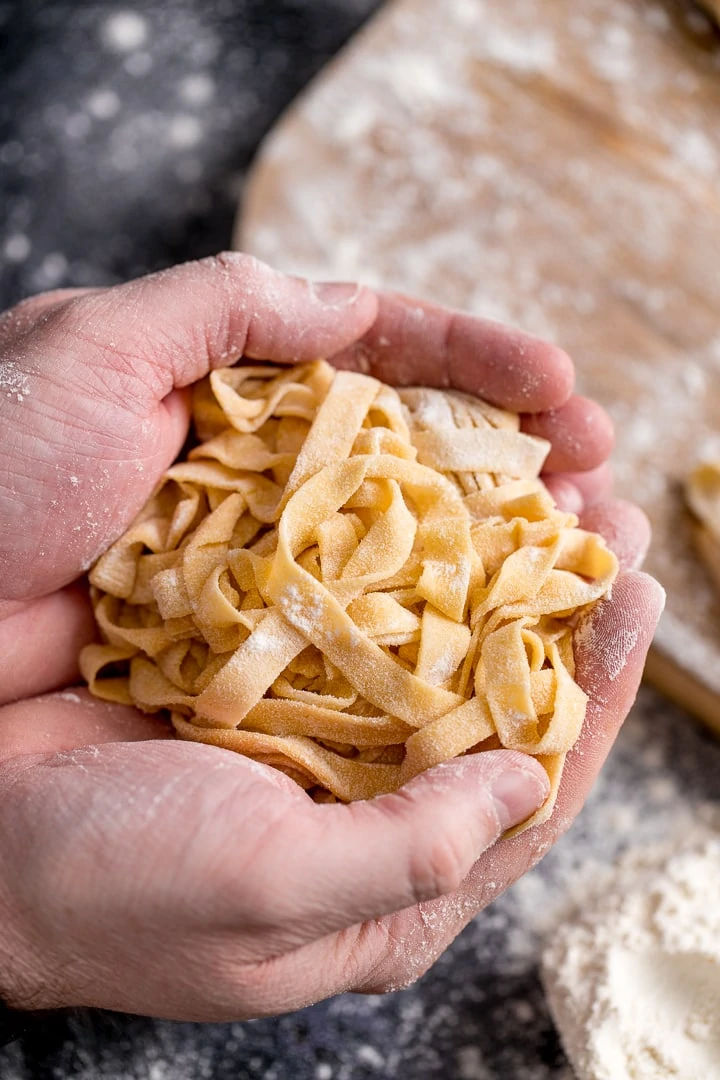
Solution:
(11, 152)
(138, 64)
(124, 31)
(51, 271)
(299, 613)
(634, 979)
(103, 104)
(14, 383)
(197, 89)
(185, 131)
(16, 248)
(613, 653)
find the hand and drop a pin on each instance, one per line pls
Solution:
(176, 879)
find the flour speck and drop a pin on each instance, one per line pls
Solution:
(16, 248)
(52, 270)
(125, 31)
(197, 89)
(138, 64)
(184, 131)
(14, 383)
(103, 104)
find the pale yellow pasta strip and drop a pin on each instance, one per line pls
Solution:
(351, 584)
(477, 450)
(444, 644)
(250, 671)
(335, 427)
(94, 658)
(344, 777)
(280, 717)
(447, 737)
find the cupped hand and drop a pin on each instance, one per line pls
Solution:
(175, 879)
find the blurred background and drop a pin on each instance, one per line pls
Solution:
(126, 130)
(126, 135)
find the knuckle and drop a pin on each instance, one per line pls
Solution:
(217, 984)
(230, 262)
(439, 866)
(234, 979)
(33, 314)
(359, 953)
(404, 955)
(225, 336)
(390, 979)
(267, 987)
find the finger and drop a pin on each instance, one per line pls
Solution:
(170, 329)
(24, 316)
(71, 484)
(610, 654)
(176, 410)
(375, 957)
(566, 495)
(417, 343)
(94, 417)
(71, 719)
(625, 528)
(361, 861)
(40, 642)
(593, 485)
(611, 645)
(321, 969)
(580, 431)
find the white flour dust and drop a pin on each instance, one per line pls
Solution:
(633, 977)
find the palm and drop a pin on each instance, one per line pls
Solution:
(215, 862)
(186, 824)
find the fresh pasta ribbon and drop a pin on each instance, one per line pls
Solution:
(702, 492)
(350, 583)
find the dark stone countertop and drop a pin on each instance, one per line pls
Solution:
(125, 132)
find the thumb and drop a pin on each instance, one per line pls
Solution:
(177, 325)
(96, 411)
(344, 864)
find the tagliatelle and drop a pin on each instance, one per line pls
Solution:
(351, 583)
(703, 496)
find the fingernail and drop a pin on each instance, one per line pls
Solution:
(517, 794)
(335, 294)
(660, 595)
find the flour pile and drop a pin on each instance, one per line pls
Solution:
(634, 981)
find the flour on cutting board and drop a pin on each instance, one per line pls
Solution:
(575, 199)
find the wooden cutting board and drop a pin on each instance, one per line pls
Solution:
(553, 164)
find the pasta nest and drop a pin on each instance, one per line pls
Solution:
(350, 583)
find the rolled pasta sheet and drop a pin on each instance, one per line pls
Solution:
(351, 584)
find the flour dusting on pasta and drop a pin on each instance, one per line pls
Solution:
(351, 583)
